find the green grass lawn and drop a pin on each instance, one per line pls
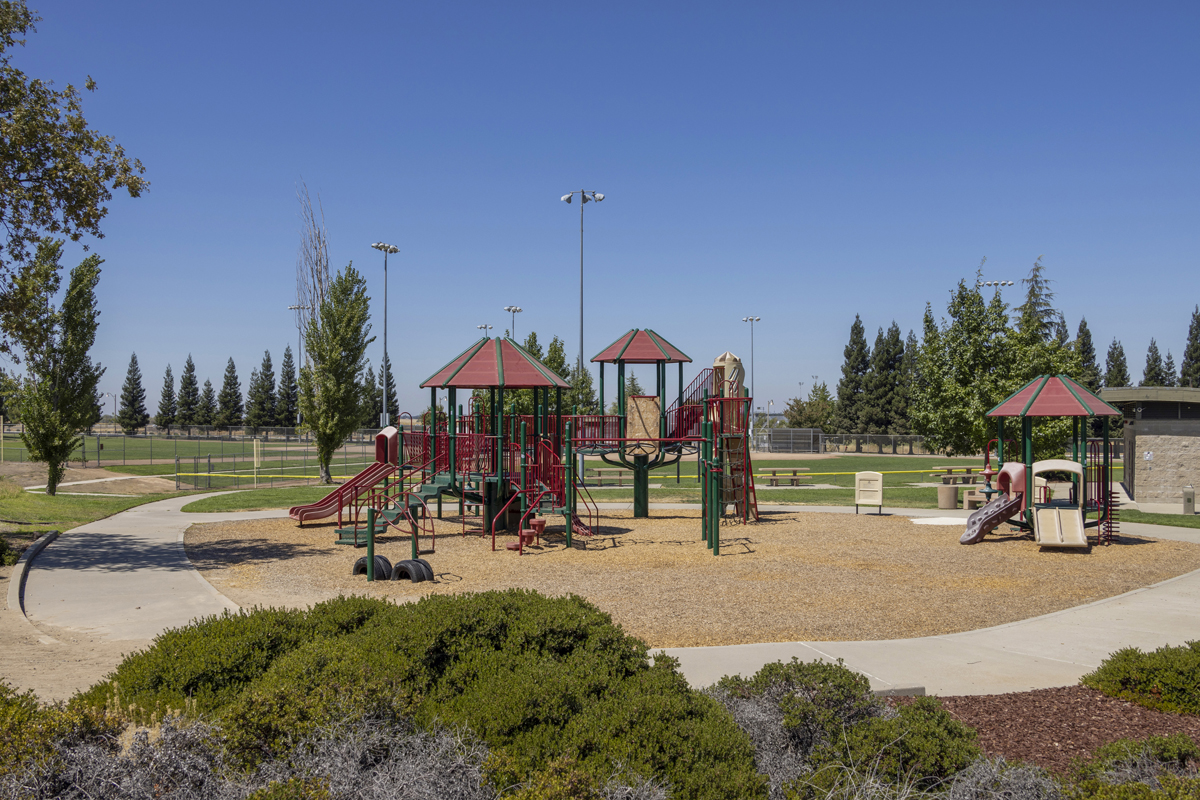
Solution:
(260, 499)
(24, 516)
(1176, 520)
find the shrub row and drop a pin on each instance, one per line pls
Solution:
(1167, 679)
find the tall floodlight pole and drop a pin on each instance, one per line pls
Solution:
(752, 320)
(385, 248)
(485, 329)
(585, 196)
(514, 310)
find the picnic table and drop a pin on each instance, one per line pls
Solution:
(792, 473)
(599, 474)
(957, 475)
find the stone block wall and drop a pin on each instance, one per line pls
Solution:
(1176, 464)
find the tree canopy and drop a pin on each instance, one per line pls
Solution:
(260, 396)
(337, 340)
(56, 173)
(165, 416)
(229, 399)
(286, 399)
(1116, 372)
(56, 399)
(847, 416)
(814, 412)
(1154, 373)
(188, 400)
(1189, 371)
(1089, 370)
(206, 412)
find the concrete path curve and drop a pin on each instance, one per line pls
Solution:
(127, 577)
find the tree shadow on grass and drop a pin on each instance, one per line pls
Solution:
(251, 551)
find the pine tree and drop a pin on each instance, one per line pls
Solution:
(132, 414)
(165, 417)
(188, 403)
(206, 411)
(632, 389)
(882, 402)
(1169, 376)
(908, 377)
(847, 417)
(393, 402)
(1189, 372)
(1152, 374)
(260, 399)
(556, 360)
(229, 401)
(1037, 314)
(1089, 375)
(372, 400)
(1116, 373)
(285, 401)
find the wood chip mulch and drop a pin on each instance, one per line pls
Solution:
(1053, 727)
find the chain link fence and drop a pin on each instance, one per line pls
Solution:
(813, 440)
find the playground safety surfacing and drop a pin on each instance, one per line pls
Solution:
(792, 577)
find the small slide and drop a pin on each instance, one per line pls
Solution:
(343, 495)
(988, 518)
(1060, 527)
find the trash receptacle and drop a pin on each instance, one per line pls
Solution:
(1189, 500)
(947, 496)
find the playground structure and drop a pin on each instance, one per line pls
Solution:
(1022, 495)
(507, 469)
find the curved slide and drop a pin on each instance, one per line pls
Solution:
(343, 495)
(988, 518)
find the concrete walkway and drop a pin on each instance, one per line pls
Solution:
(127, 577)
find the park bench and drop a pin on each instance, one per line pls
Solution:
(618, 471)
(774, 473)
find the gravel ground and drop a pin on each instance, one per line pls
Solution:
(792, 577)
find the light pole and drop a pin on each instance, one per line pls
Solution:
(997, 284)
(485, 329)
(752, 320)
(514, 310)
(585, 196)
(385, 248)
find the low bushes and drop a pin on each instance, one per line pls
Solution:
(538, 680)
(1167, 679)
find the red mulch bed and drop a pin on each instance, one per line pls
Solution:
(1053, 727)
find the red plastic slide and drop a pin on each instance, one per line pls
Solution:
(387, 443)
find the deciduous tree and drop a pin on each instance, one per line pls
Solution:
(56, 172)
(132, 413)
(56, 398)
(814, 412)
(337, 341)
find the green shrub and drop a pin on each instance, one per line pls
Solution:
(1176, 752)
(203, 666)
(818, 699)
(1167, 679)
(293, 789)
(29, 733)
(536, 678)
(921, 746)
(1171, 787)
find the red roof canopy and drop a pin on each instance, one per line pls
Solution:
(641, 347)
(1053, 396)
(495, 364)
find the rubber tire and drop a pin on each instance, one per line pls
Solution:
(383, 567)
(426, 570)
(412, 570)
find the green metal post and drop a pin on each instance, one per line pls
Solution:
(641, 487)
(999, 442)
(601, 387)
(454, 411)
(1106, 484)
(432, 428)
(1027, 457)
(621, 393)
(370, 544)
(702, 468)
(569, 480)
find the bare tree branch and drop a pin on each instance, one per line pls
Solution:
(312, 260)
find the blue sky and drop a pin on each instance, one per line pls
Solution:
(799, 162)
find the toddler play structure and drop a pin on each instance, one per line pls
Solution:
(1022, 495)
(508, 471)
